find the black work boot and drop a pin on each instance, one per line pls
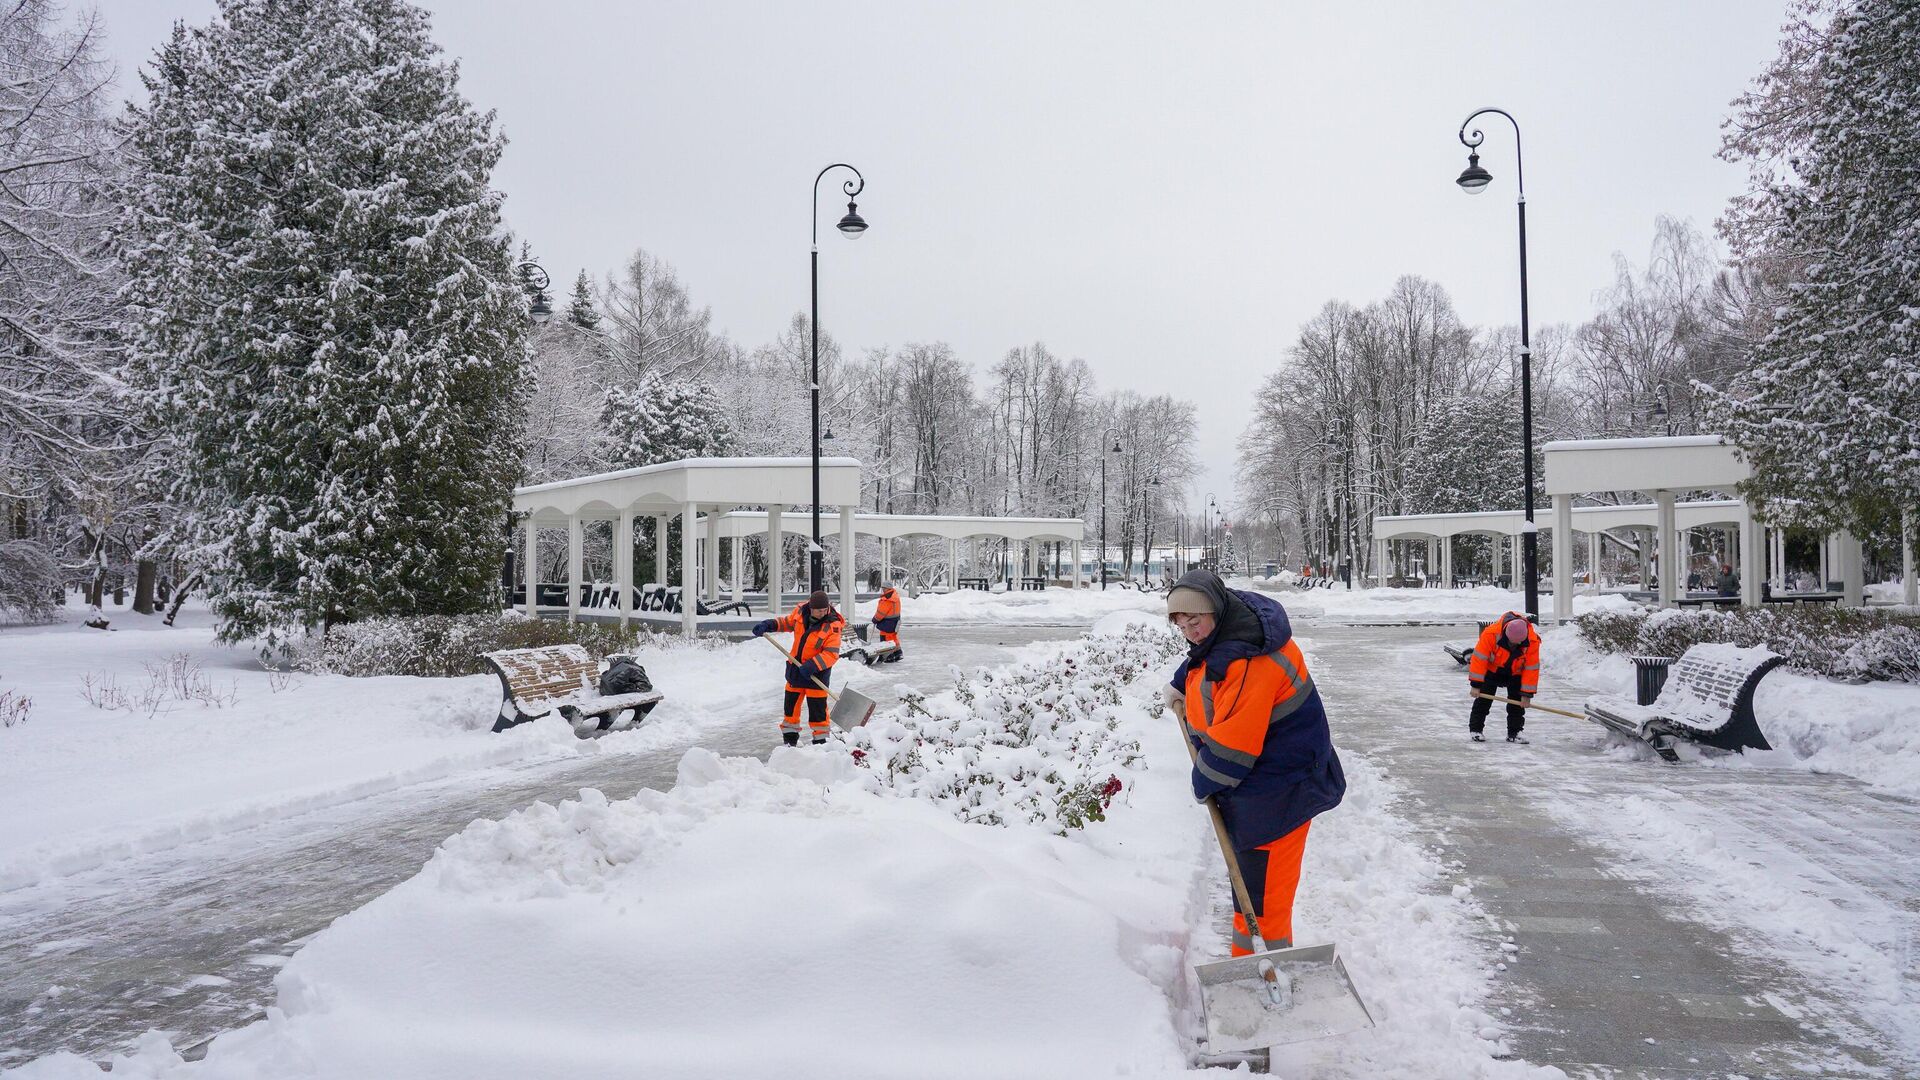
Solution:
(791, 738)
(819, 742)
(1479, 736)
(1516, 737)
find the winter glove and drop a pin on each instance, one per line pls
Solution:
(1203, 786)
(1175, 700)
(764, 626)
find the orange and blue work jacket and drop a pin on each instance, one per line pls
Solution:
(1494, 655)
(1257, 724)
(886, 613)
(816, 645)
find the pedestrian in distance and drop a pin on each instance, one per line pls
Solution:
(1260, 735)
(886, 619)
(816, 629)
(1729, 583)
(1506, 658)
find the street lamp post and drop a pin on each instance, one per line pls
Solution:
(1474, 180)
(1103, 502)
(1206, 549)
(534, 279)
(851, 226)
(1146, 530)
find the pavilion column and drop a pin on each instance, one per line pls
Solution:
(1779, 545)
(1645, 540)
(575, 546)
(1909, 584)
(623, 566)
(1853, 584)
(689, 563)
(738, 574)
(532, 564)
(1666, 553)
(1593, 558)
(1562, 558)
(1076, 566)
(713, 553)
(775, 558)
(1427, 568)
(1446, 562)
(1826, 560)
(953, 563)
(1499, 556)
(1753, 539)
(660, 549)
(1380, 562)
(848, 550)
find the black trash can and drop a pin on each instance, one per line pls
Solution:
(1649, 675)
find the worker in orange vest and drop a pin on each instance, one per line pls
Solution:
(1507, 657)
(816, 628)
(886, 619)
(1260, 738)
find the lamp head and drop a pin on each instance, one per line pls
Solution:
(1474, 179)
(853, 226)
(541, 308)
(1116, 446)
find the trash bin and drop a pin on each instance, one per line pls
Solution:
(1649, 675)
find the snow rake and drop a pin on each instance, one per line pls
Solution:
(851, 708)
(1530, 705)
(1271, 997)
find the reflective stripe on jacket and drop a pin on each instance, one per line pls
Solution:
(816, 645)
(886, 613)
(1493, 655)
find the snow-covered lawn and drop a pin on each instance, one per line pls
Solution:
(802, 918)
(197, 738)
(1425, 605)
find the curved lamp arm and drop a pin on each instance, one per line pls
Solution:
(852, 187)
(1472, 140)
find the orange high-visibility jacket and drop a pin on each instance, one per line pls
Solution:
(1492, 655)
(817, 649)
(888, 607)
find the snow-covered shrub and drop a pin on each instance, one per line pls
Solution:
(14, 708)
(443, 646)
(1035, 742)
(1840, 643)
(29, 582)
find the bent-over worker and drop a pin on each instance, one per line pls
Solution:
(1507, 657)
(1263, 749)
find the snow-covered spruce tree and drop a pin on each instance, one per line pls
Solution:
(1466, 457)
(580, 310)
(324, 313)
(660, 421)
(1827, 416)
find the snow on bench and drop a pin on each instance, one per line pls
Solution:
(1708, 699)
(563, 679)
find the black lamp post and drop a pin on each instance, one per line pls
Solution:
(1474, 180)
(851, 226)
(1103, 502)
(1146, 530)
(1206, 548)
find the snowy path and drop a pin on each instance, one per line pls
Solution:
(187, 941)
(1666, 921)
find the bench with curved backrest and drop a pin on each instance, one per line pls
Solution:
(1707, 699)
(1463, 653)
(562, 679)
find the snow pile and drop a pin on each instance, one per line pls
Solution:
(1338, 605)
(1866, 730)
(144, 739)
(799, 918)
(1055, 606)
(1033, 742)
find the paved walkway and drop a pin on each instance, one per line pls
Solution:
(1616, 972)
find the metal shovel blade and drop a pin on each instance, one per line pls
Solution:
(851, 709)
(1319, 999)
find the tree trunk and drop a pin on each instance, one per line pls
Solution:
(180, 596)
(143, 587)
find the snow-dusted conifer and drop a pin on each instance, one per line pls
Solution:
(580, 310)
(1827, 416)
(660, 421)
(324, 312)
(1466, 458)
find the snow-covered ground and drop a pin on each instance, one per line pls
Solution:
(1043, 606)
(144, 737)
(1382, 605)
(799, 918)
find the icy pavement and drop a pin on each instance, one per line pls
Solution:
(1654, 920)
(187, 941)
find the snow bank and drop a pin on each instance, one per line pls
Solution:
(1337, 605)
(1866, 730)
(82, 785)
(1055, 606)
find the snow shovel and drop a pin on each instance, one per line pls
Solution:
(1531, 705)
(851, 708)
(1273, 996)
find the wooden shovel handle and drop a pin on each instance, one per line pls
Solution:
(1240, 894)
(1530, 705)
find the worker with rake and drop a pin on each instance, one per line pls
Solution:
(816, 628)
(1263, 749)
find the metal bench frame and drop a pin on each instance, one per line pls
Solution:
(562, 679)
(1738, 731)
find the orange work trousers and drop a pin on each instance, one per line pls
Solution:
(1272, 873)
(813, 702)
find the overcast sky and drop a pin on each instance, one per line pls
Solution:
(1164, 190)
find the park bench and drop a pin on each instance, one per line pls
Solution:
(1707, 697)
(979, 583)
(563, 679)
(1712, 600)
(1033, 584)
(1463, 653)
(731, 607)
